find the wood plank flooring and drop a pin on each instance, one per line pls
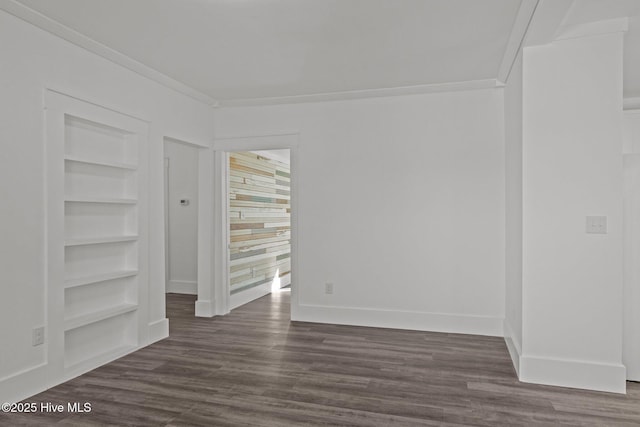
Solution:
(254, 367)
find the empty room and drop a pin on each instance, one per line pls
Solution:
(320, 212)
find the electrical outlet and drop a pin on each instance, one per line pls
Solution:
(597, 224)
(38, 336)
(328, 288)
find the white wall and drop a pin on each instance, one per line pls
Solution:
(631, 331)
(400, 205)
(32, 61)
(572, 167)
(513, 202)
(183, 220)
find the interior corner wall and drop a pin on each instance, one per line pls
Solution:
(33, 61)
(513, 216)
(400, 206)
(183, 219)
(572, 168)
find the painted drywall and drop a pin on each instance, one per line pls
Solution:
(400, 206)
(513, 216)
(183, 219)
(33, 61)
(572, 167)
(631, 331)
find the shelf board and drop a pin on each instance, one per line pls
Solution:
(100, 200)
(114, 165)
(99, 240)
(87, 319)
(87, 280)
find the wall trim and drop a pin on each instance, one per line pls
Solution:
(205, 308)
(546, 21)
(514, 347)
(185, 142)
(23, 384)
(574, 374)
(158, 330)
(631, 103)
(244, 297)
(281, 140)
(617, 25)
(189, 287)
(396, 319)
(364, 93)
(51, 26)
(516, 38)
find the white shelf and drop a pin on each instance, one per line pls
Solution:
(81, 281)
(100, 200)
(114, 165)
(99, 240)
(87, 319)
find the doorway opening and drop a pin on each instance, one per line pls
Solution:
(235, 279)
(259, 224)
(186, 198)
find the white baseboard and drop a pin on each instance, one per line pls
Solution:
(574, 374)
(205, 308)
(244, 297)
(24, 384)
(248, 295)
(182, 287)
(513, 345)
(32, 381)
(412, 320)
(158, 330)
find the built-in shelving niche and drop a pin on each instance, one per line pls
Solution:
(101, 247)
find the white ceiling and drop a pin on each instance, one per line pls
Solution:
(238, 50)
(242, 49)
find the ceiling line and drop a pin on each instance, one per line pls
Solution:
(516, 38)
(45, 23)
(363, 93)
(56, 28)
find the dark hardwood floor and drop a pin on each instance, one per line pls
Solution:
(254, 367)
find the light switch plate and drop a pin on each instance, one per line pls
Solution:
(597, 224)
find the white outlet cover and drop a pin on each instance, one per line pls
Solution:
(328, 288)
(38, 336)
(596, 225)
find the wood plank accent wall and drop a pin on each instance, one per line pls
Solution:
(260, 220)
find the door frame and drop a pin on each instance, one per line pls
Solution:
(221, 148)
(205, 232)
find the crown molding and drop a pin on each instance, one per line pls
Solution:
(45, 23)
(617, 25)
(365, 93)
(631, 103)
(516, 38)
(547, 20)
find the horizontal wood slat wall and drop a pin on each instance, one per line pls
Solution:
(259, 218)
